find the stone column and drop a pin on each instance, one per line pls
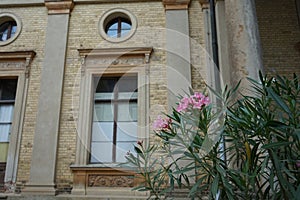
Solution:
(177, 49)
(43, 161)
(243, 39)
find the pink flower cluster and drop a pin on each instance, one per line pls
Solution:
(196, 101)
(160, 123)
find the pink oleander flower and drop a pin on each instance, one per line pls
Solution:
(298, 163)
(196, 101)
(183, 104)
(160, 123)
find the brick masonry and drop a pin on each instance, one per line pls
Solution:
(84, 34)
(32, 37)
(278, 30)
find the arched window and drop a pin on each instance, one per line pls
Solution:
(118, 27)
(7, 30)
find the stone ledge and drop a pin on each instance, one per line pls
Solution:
(6, 3)
(59, 7)
(72, 197)
(176, 4)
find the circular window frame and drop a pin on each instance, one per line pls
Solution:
(5, 17)
(110, 15)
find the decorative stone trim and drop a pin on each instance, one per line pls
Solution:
(89, 177)
(117, 52)
(110, 1)
(59, 7)
(16, 60)
(176, 4)
(204, 4)
(21, 3)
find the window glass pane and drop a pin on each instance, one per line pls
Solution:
(102, 131)
(5, 28)
(4, 132)
(103, 112)
(6, 113)
(124, 33)
(4, 36)
(13, 30)
(101, 152)
(105, 84)
(122, 149)
(128, 84)
(103, 127)
(104, 96)
(112, 34)
(127, 112)
(113, 26)
(125, 26)
(128, 95)
(4, 31)
(127, 131)
(8, 88)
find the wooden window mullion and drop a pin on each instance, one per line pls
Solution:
(119, 27)
(9, 30)
(115, 103)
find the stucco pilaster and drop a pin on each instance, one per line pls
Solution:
(243, 40)
(43, 162)
(177, 49)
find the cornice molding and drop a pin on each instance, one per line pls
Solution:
(59, 7)
(109, 1)
(204, 4)
(25, 57)
(21, 3)
(119, 52)
(15, 55)
(176, 4)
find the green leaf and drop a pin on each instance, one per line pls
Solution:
(279, 101)
(276, 145)
(215, 186)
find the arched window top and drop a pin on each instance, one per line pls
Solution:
(118, 27)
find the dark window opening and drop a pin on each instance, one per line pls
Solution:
(8, 89)
(7, 30)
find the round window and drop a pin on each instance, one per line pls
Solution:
(10, 28)
(117, 25)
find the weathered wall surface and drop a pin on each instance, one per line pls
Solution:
(279, 32)
(198, 49)
(84, 34)
(32, 37)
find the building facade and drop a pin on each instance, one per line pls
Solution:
(82, 80)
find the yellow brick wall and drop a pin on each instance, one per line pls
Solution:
(84, 34)
(197, 43)
(279, 31)
(32, 37)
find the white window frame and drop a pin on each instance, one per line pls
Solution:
(99, 68)
(16, 64)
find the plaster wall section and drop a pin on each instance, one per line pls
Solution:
(280, 34)
(32, 37)
(84, 34)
